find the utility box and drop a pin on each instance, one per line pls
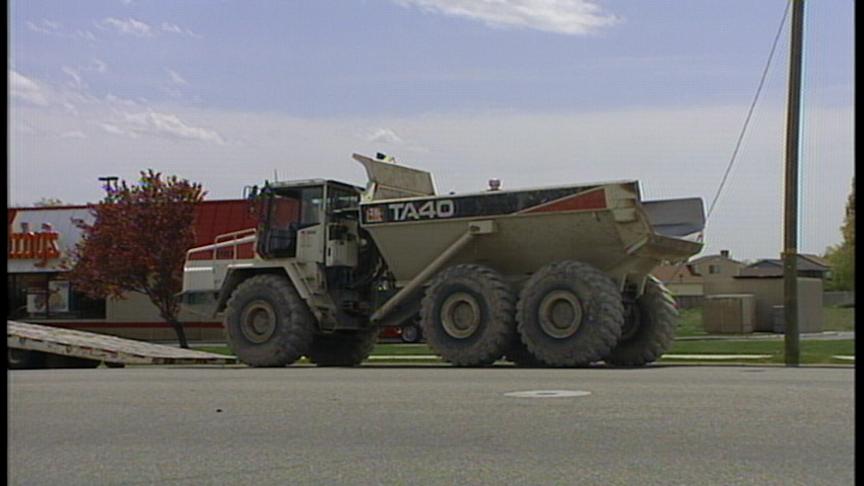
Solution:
(769, 292)
(729, 314)
(808, 320)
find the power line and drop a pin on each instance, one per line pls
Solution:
(749, 112)
(743, 128)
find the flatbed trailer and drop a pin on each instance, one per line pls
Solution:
(37, 346)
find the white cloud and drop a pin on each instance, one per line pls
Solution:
(169, 27)
(73, 134)
(115, 100)
(86, 35)
(170, 125)
(558, 16)
(45, 27)
(672, 152)
(128, 26)
(97, 66)
(115, 130)
(77, 82)
(384, 135)
(176, 78)
(176, 29)
(26, 89)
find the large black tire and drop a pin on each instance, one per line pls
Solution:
(22, 359)
(267, 323)
(343, 348)
(569, 314)
(467, 315)
(519, 355)
(649, 330)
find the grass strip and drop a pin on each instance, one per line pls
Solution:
(812, 351)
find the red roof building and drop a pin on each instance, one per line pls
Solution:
(39, 292)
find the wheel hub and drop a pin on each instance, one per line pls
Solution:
(560, 314)
(460, 315)
(258, 322)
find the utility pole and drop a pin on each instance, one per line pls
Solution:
(790, 240)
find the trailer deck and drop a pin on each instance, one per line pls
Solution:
(100, 347)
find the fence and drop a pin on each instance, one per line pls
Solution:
(844, 298)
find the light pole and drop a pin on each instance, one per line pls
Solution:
(108, 181)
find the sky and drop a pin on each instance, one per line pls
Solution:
(229, 93)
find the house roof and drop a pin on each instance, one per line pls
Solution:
(676, 273)
(709, 258)
(818, 260)
(774, 266)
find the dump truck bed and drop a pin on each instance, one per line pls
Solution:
(604, 224)
(100, 347)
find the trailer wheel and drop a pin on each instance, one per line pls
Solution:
(570, 314)
(22, 359)
(649, 329)
(411, 333)
(267, 322)
(343, 348)
(467, 315)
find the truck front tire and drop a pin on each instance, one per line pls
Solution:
(467, 315)
(570, 314)
(650, 328)
(267, 323)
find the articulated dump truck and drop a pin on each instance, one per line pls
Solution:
(556, 276)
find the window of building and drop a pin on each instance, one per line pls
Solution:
(49, 296)
(714, 269)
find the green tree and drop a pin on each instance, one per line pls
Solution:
(138, 242)
(842, 256)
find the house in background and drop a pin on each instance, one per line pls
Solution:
(686, 282)
(760, 285)
(808, 266)
(716, 267)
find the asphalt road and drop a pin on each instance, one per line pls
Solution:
(431, 425)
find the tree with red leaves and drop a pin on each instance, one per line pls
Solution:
(138, 242)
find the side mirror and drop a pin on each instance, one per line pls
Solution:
(251, 192)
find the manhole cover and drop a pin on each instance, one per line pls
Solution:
(548, 393)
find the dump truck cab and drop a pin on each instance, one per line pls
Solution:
(310, 220)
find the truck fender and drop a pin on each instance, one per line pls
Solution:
(235, 277)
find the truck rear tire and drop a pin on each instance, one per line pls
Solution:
(649, 330)
(570, 314)
(467, 315)
(519, 355)
(343, 348)
(267, 323)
